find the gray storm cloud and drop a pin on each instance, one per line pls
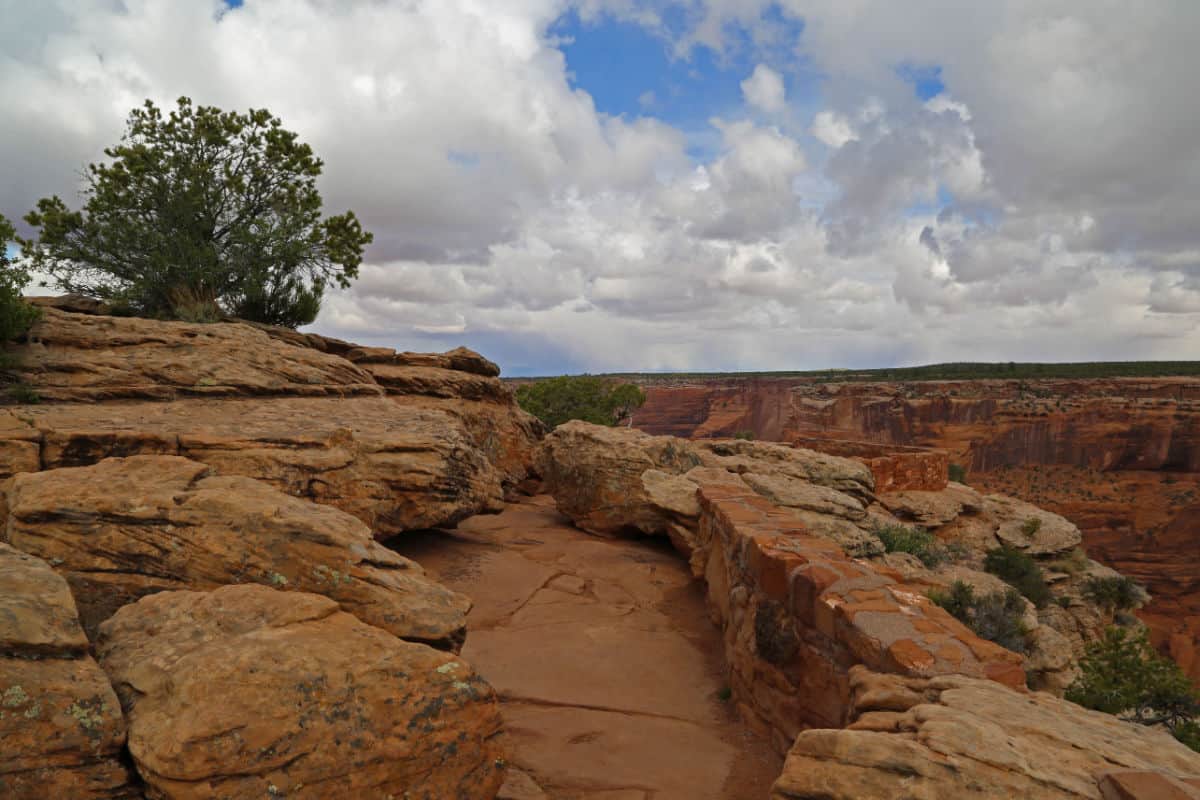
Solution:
(1043, 207)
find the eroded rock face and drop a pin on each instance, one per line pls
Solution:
(60, 722)
(128, 527)
(953, 736)
(313, 702)
(402, 441)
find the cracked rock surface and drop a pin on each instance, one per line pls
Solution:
(608, 669)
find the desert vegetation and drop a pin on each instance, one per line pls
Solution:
(601, 401)
(1019, 570)
(1122, 674)
(197, 214)
(914, 541)
(997, 617)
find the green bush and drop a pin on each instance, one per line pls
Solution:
(914, 541)
(1019, 570)
(200, 213)
(1031, 526)
(1115, 593)
(601, 401)
(1122, 674)
(746, 436)
(15, 314)
(958, 473)
(997, 617)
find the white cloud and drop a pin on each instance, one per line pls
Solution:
(1043, 206)
(764, 90)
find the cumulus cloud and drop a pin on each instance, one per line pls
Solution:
(764, 90)
(1042, 206)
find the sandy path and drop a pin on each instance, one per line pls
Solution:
(608, 667)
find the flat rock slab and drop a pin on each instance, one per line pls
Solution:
(607, 665)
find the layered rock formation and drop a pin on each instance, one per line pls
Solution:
(1118, 457)
(251, 692)
(402, 441)
(130, 527)
(60, 721)
(780, 535)
(953, 736)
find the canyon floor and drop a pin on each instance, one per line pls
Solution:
(610, 672)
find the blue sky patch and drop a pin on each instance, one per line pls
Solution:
(926, 79)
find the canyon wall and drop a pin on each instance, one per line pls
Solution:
(1119, 457)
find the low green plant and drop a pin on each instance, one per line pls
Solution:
(914, 541)
(1019, 570)
(1122, 674)
(747, 436)
(15, 314)
(997, 617)
(1072, 563)
(1115, 593)
(24, 393)
(601, 401)
(1031, 526)
(958, 473)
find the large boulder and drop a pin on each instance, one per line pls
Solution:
(957, 737)
(251, 692)
(129, 527)
(60, 722)
(403, 441)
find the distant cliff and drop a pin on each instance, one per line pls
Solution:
(1120, 457)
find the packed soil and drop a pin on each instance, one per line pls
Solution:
(610, 672)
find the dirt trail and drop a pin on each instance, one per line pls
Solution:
(608, 667)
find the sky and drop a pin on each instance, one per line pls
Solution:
(620, 185)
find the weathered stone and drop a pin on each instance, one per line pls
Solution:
(60, 722)
(957, 737)
(313, 703)
(1032, 529)
(125, 528)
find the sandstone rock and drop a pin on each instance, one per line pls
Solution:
(956, 737)
(313, 703)
(74, 303)
(74, 357)
(60, 722)
(129, 527)
(932, 509)
(395, 467)
(1032, 529)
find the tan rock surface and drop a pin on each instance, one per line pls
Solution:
(956, 737)
(128, 527)
(607, 666)
(60, 723)
(251, 692)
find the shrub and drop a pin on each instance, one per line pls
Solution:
(746, 436)
(601, 401)
(1115, 593)
(24, 393)
(15, 314)
(958, 473)
(914, 541)
(997, 617)
(1031, 526)
(201, 212)
(1019, 570)
(1072, 563)
(1122, 674)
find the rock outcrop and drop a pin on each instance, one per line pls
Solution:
(247, 691)
(129, 527)
(60, 722)
(956, 737)
(797, 577)
(402, 441)
(1120, 458)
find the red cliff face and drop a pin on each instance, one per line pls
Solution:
(1119, 457)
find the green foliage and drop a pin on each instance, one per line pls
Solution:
(958, 473)
(601, 401)
(1122, 674)
(1031, 526)
(15, 314)
(201, 213)
(1118, 592)
(914, 541)
(746, 436)
(24, 393)
(1020, 571)
(997, 617)
(1072, 563)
